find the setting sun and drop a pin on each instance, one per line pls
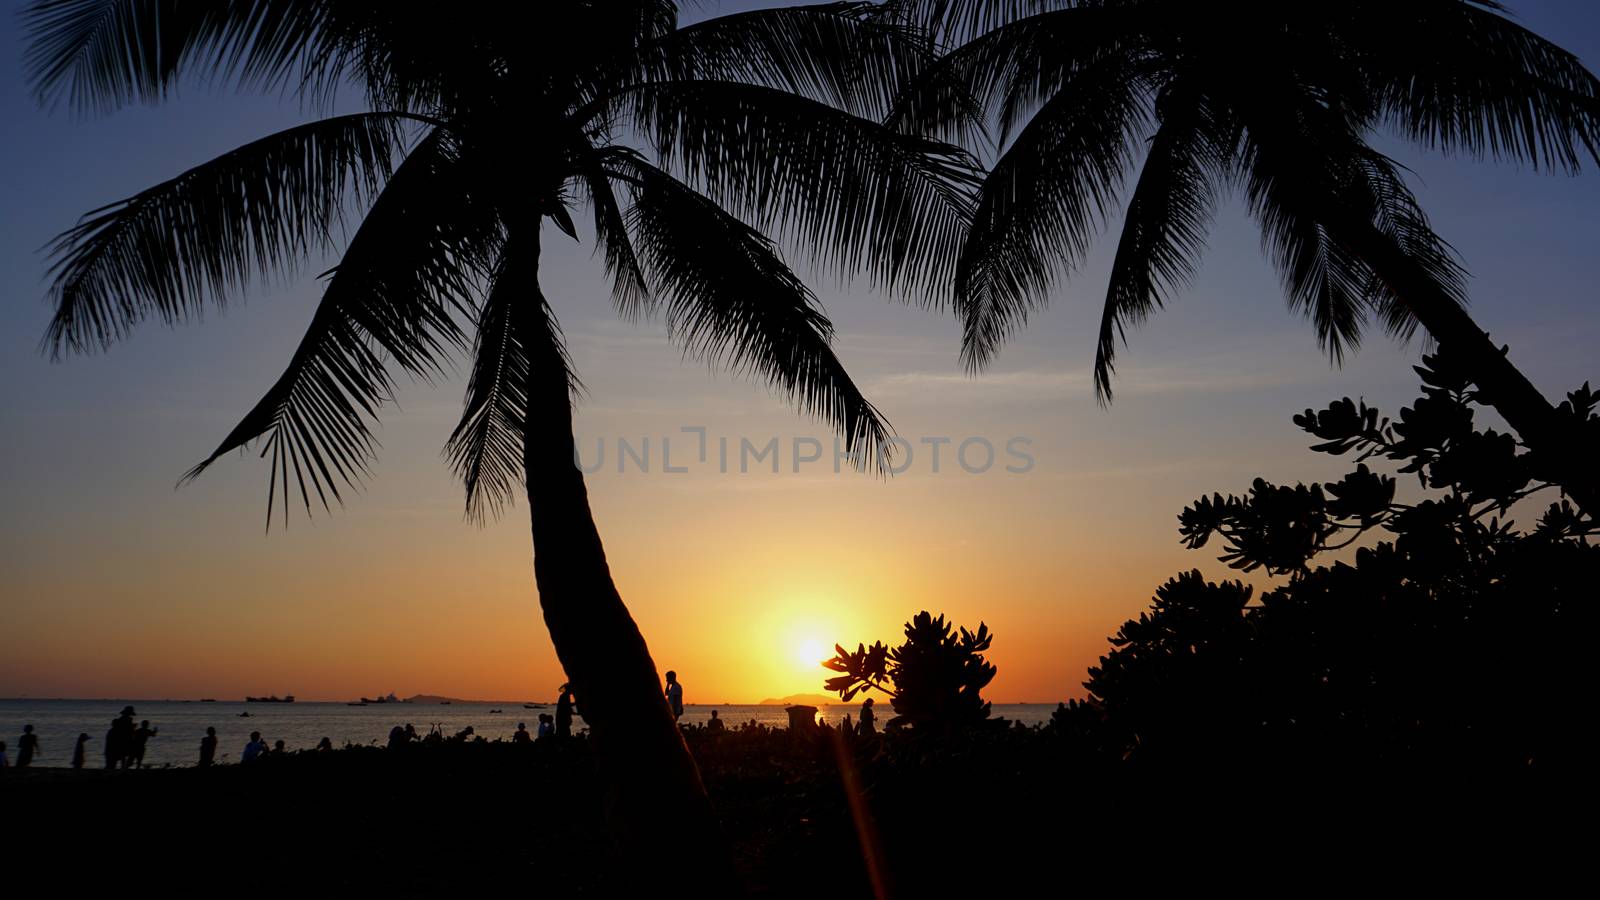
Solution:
(810, 652)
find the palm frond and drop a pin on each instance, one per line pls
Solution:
(731, 300)
(629, 291)
(854, 193)
(409, 269)
(1002, 73)
(486, 447)
(1462, 76)
(104, 54)
(839, 54)
(1308, 178)
(1163, 231)
(168, 249)
(1044, 201)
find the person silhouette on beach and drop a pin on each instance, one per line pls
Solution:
(208, 748)
(325, 745)
(119, 740)
(547, 725)
(521, 736)
(278, 748)
(4, 762)
(674, 695)
(715, 726)
(141, 737)
(79, 751)
(254, 749)
(564, 712)
(868, 717)
(27, 747)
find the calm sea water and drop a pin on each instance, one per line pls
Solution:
(301, 725)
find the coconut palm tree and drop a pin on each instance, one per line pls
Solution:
(1276, 102)
(695, 149)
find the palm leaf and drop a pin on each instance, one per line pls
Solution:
(486, 447)
(165, 250)
(1483, 85)
(104, 54)
(854, 193)
(731, 300)
(1043, 202)
(1163, 231)
(409, 268)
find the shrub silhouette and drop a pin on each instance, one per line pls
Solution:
(1456, 638)
(933, 679)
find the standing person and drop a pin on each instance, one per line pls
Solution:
(867, 717)
(78, 751)
(208, 748)
(674, 695)
(141, 737)
(564, 712)
(715, 726)
(547, 725)
(255, 748)
(27, 747)
(119, 740)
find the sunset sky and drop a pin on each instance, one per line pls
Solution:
(114, 584)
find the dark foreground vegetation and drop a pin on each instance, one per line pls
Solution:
(997, 810)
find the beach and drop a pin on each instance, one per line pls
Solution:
(300, 725)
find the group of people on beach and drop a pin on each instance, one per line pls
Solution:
(126, 745)
(551, 726)
(674, 693)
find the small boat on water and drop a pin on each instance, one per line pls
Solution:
(289, 698)
(244, 715)
(208, 699)
(355, 704)
(533, 706)
(495, 711)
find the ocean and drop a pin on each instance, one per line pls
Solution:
(181, 724)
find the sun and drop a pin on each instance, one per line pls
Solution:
(810, 652)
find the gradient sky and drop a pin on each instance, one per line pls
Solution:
(112, 583)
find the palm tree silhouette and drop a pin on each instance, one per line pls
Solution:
(1276, 101)
(758, 126)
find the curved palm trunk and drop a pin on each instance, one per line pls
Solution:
(656, 804)
(1500, 383)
